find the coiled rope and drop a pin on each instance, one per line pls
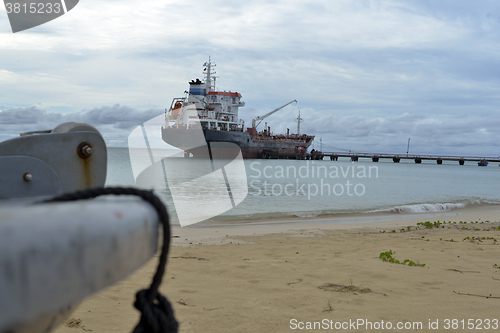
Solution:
(157, 315)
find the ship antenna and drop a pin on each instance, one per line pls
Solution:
(298, 123)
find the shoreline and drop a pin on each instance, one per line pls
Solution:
(212, 233)
(366, 216)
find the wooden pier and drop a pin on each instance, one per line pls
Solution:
(268, 154)
(396, 158)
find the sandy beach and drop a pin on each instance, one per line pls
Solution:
(321, 276)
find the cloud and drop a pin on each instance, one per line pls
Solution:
(474, 134)
(367, 74)
(438, 134)
(114, 122)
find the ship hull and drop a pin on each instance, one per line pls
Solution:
(208, 142)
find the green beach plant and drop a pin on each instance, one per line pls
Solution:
(479, 239)
(430, 225)
(387, 256)
(439, 224)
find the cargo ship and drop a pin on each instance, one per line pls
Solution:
(205, 123)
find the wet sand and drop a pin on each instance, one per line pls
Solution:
(277, 277)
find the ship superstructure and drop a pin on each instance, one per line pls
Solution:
(207, 115)
(216, 110)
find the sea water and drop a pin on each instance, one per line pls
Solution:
(281, 189)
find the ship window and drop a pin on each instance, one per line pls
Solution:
(248, 140)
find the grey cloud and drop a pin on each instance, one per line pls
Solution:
(376, 72)
(20, 116)
(114, 122)
(121, 117)
(117, 116)
(440, 134)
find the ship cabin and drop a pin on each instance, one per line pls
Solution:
(208, 108)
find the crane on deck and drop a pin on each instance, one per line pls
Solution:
(268, 114)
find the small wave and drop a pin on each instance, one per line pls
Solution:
(491, 202)
(307, 214)
(426, 208)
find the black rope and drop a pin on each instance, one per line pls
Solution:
(157, 315)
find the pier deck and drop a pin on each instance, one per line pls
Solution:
(396, 158)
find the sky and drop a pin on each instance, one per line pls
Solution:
(367, 75)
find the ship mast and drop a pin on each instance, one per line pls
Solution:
(210, 79)
(298, 123)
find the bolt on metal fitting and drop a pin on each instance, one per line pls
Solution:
(84, 150)
(27, 177)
